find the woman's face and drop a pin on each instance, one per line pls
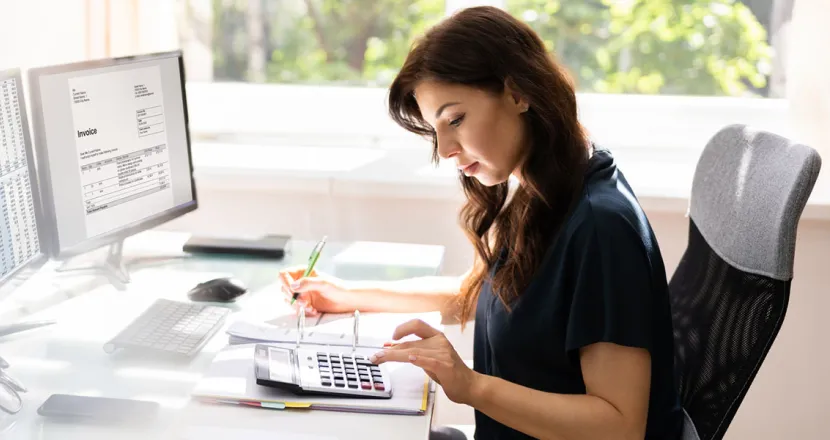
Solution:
(484, 133)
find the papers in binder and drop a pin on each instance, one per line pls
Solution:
(333, 329)
(242, 332)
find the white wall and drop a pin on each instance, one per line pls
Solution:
(28, 37)
(788, 399)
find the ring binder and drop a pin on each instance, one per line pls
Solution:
(300, 325)
(355, 332)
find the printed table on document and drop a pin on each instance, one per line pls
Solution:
(18, 231)
(125, 178)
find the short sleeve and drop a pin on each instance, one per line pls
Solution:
(613, 288)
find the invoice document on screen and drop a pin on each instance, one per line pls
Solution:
(122, 147)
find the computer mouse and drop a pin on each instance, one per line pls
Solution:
(217, 290)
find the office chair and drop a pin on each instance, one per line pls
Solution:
(730, 291)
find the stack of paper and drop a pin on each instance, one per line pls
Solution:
(231, 379)
(242, 332)
(374, 330)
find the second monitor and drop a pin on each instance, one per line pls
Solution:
(113, 142)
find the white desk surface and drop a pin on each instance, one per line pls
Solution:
(68, 358)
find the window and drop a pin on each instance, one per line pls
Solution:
(342, 42)
(675, 47)
(314, 72)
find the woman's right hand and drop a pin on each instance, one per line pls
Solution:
(319, 293)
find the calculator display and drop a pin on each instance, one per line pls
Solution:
(280, 366)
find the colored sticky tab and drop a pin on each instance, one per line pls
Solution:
(297, 405)
(273, 405)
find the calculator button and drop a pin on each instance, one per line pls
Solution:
(339, 383)
(325, 370)
(326, 383)
(324, 377)
(353, 385)
(323, 364)
(377, 379)
(347, 358)
(366, 385)
(364, 376)
(351, 376)
(362, 362)
(379, 387)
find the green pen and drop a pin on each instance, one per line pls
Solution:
(312, 260)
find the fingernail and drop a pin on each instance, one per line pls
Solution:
(412, 357)
(387, 344)
(295, 285)
(373, 359)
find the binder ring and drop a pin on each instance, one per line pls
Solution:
(300, 325)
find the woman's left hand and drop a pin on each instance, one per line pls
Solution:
(435, 355)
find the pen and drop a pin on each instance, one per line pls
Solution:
(312, 260)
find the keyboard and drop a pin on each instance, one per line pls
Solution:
(172, 327)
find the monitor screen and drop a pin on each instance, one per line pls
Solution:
(114, 139)
(19, 199)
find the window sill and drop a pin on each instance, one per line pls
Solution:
(662, 180)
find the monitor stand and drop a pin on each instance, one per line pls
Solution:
(114, 267)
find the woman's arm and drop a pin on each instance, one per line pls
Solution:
(322, 293)
(615, 406)
(423, 294)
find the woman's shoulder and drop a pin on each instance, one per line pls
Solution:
(606, 211)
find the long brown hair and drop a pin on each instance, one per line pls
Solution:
(487, 48)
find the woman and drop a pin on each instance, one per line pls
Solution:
(573, 334)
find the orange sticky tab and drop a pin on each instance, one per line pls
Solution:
(297, 405)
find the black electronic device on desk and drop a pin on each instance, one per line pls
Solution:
(268, 246)
(311, 371)
(217, 290)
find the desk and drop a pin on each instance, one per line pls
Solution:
(69, 358)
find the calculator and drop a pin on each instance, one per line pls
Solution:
(306, 371)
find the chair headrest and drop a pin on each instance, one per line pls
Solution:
(749, 190)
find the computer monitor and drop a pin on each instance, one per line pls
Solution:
(21, 217)
(113, 142)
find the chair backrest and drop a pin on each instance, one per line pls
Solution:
(730, 291)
